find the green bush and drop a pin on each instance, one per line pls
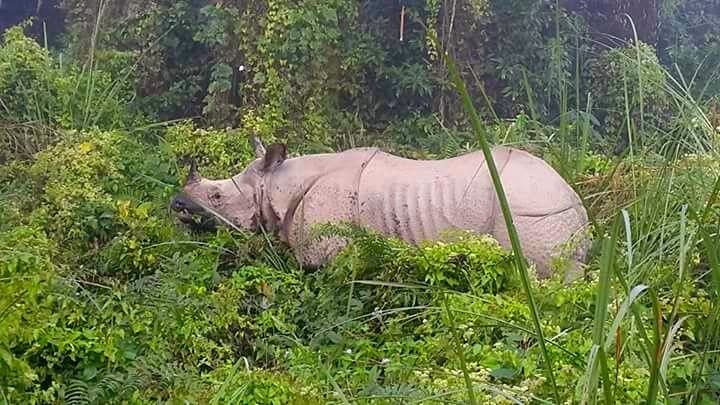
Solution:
(218, 153)
(25, 294)
(259, 387)
(424, 137)
(37, 89)
(103, 292)
(630, 76)
(377, 274)
(94, 186)
(688, 37)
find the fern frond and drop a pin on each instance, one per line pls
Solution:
(112, 385)
(77, 393)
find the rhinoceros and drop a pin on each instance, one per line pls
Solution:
(413, 200)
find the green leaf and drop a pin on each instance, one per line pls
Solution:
(504, 373)
(89, 373)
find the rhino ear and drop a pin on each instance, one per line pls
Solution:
(274, 157)
(259, 148)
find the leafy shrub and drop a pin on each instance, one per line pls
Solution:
(219, 153)
(632, 76)
(423, 134)
(86, 180)
(258, 387)
(308, 59)
(35, 89)
(375, 274)
(688, 37)
(520, 52)
(153, 298)
(26, 269)
(49, 336)
(467, 264)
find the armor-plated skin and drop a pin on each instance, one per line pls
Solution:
(412, 200)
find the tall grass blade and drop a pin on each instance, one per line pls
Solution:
(531, 100)
(653, 384)
(667, 348)
(591, 376)
(634, 295)
(461, 355)
(641, 94)
(607, 264)
(232, 382)
(685, 249)
(630, 140)
(505, 208)
(336, 387)
(628, 239)
(486, 98)
(90, 90)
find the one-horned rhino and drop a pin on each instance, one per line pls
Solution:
(414, 200)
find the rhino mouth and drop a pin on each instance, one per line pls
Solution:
(197, 221)
(192, 215)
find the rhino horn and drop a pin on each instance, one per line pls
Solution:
(258, 145)
(193, 175)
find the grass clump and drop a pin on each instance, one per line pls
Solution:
(40, 95)
(631, 73)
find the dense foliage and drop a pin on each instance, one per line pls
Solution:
(104, 297)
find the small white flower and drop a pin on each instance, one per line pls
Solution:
(385, 362)
(348, 351)
(241, 68)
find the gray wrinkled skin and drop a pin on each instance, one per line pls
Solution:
(408, 199)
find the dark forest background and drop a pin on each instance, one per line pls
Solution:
(320, 68)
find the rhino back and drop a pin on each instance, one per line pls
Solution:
(533, 187)
(418, 200)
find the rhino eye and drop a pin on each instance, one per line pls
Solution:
(215, 196)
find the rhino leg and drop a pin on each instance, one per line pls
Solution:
(553, 242)
(317, 252)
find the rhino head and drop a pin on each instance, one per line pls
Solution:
(203, 203)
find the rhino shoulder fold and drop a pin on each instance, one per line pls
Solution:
(288, 186)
